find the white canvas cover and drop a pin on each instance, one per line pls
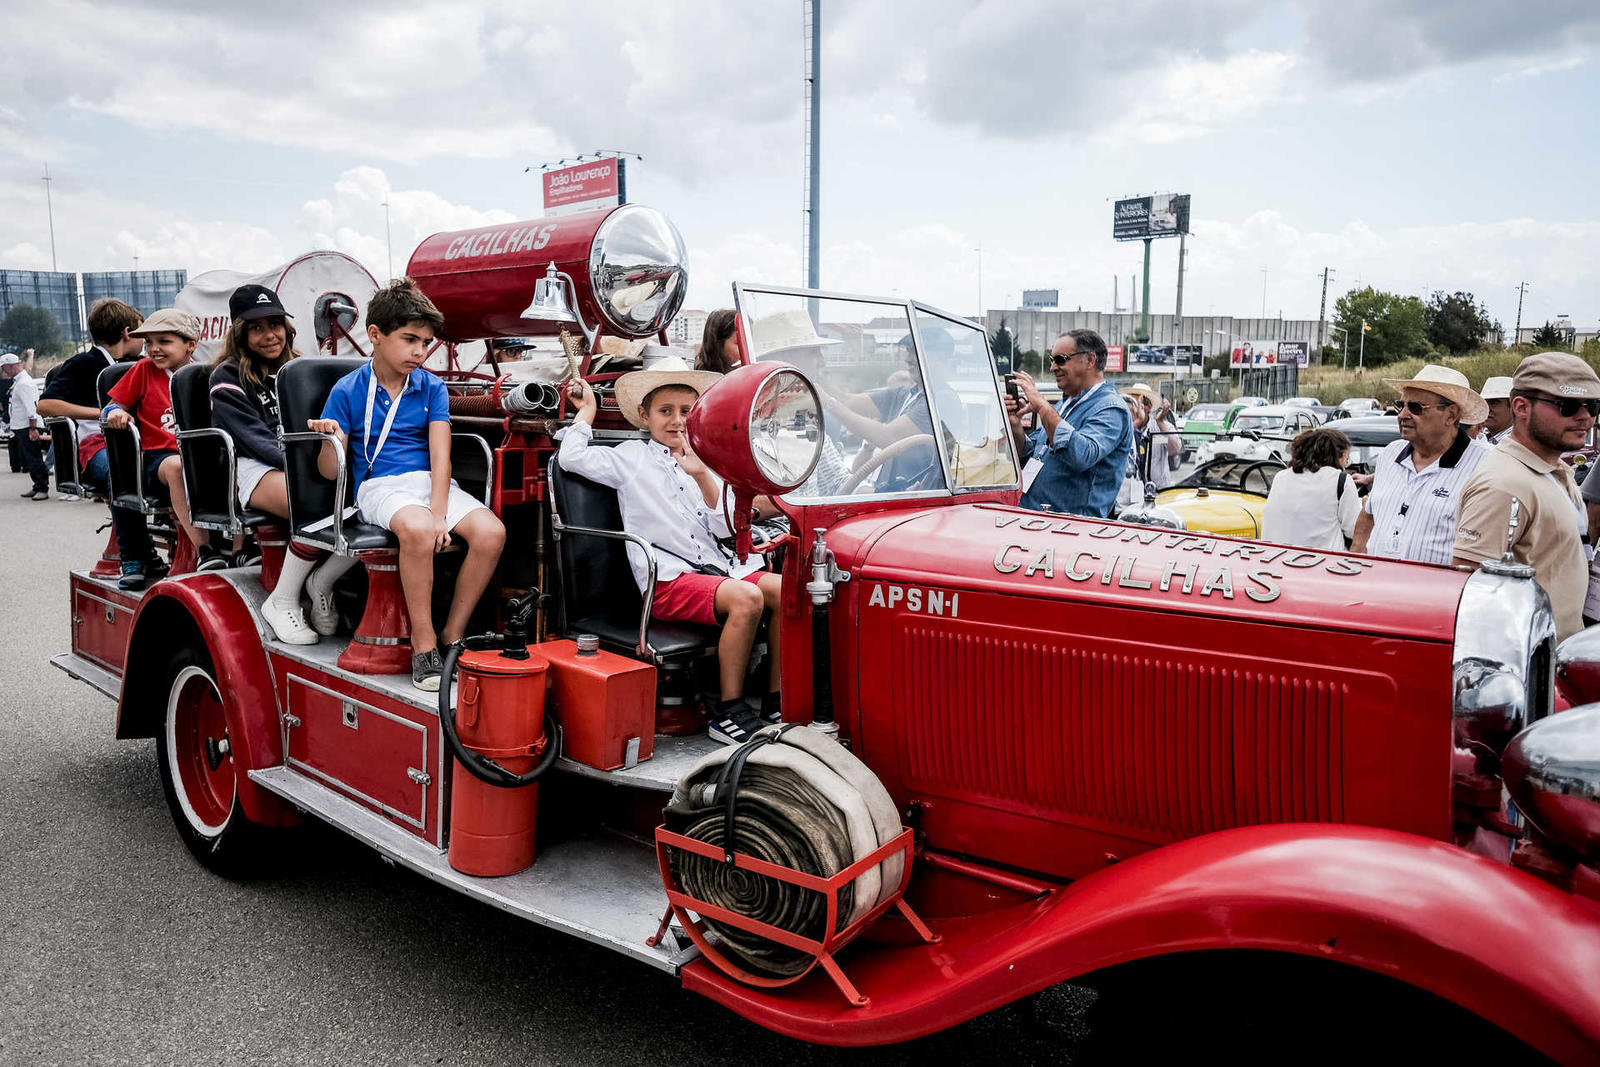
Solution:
(300, 283)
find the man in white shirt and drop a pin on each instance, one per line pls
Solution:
(1411, 511)
(26, 424)
(1497, 394)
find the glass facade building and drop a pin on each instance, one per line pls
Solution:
(55, 291)
(146, 290)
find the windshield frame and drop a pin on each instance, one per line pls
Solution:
(912, 310)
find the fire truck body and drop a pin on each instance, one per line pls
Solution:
(1113, 742)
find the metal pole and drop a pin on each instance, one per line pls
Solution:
(1263, 292)
(979, 250)
(814, 148)
(1516, 337)
(1144, 301)
(50, 210)
(1361, 356)
(1322, 314)
(388, 240)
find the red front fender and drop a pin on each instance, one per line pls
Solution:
(1502, 944)
(205, 608)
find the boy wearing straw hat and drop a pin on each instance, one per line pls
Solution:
(669, 498)
(1411, 511)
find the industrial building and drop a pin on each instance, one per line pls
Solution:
(55, 291)
(68, 296)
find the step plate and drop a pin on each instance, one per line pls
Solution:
(604, 888)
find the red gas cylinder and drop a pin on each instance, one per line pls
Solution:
(500, 715)
(627, 264)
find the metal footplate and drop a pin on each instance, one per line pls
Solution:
(603, 888)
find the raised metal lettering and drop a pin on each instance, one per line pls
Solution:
(1044, 561)
(1302, 559)
(1189, 571)
(1074, 573)
(1126, 578)
(1033, 525)
(1221, 581)
(1269, 586)
(1104, 532)
(876, 599)
(1144, 537)
(1110, 569)
(1000, 563)
(896, 594)
(913, 599)
(1344, 566)
(1003, 521)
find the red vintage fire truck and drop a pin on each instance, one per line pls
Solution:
(1074, 743)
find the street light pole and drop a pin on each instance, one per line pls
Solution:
(979, 250)
(50, 210)
(1344, 364)
(1361, 356)
(387, 239)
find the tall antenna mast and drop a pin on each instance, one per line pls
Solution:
(813, 208)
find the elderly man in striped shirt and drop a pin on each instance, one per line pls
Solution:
(1411, 511)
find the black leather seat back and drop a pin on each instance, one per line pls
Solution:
(205, 460)
(595, 577)
(303, 388)
(123, 459)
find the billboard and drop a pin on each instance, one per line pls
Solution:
(1164, 359)
(1269, 353)
(1141, 217)
(1041, 298)
(1114, 355)
(585, 187)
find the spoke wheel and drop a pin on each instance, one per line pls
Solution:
(198, 772)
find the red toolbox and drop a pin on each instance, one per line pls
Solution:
(606, 702)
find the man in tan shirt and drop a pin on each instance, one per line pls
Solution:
(1554, 400)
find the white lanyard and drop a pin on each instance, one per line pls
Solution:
(368, 452)
(1080, 398)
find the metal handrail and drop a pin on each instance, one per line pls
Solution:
(340, 545)
(488, 464)
(234, 527)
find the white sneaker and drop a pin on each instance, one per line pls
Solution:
(324, 616)
(287, 624)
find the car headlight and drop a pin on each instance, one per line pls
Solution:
(759, 428)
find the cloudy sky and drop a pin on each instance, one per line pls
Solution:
(1409, 144)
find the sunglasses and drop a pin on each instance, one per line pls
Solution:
(1568, 406)
(1059, 360)
(1416, 407)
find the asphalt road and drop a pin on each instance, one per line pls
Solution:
(117, 948)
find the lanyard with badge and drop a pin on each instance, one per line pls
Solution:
(1035, 464)
(369, 453)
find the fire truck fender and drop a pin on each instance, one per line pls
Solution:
(1506, 946)
(205, 609)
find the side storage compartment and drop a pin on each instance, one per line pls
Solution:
(379, 752)
(102, 620)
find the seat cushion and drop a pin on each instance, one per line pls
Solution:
(671, 640)
(358, 537)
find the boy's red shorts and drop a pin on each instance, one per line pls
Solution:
(692, 597)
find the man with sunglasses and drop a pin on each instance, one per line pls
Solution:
(1077, 456)
(1411, 511)
(1554, 399)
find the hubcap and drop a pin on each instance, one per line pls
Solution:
(196, 731)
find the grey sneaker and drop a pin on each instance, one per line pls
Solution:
(426, 667)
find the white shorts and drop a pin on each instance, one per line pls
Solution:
(248, 473)
(379, 498)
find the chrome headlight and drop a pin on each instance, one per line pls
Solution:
(1502, 671)
(639, 270)
(1552, 770)
(786, 428)
(1578, 666)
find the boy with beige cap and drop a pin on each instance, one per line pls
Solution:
(1554, 399)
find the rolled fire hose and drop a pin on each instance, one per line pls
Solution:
(526, 398)
(793, 797)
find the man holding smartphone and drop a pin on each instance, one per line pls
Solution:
(1076, 458)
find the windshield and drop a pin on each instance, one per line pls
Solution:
(1258, 423)
(1208, 412)
(1237, 475)
(910, 399)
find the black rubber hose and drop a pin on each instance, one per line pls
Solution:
(783, 819)
(478, 765)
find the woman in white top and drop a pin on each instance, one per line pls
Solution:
(1313, 504)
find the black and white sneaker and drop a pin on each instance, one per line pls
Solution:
(209, 559)
(426, 670)
(734, 725)
(771, 713)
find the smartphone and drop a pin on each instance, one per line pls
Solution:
(1013, 390)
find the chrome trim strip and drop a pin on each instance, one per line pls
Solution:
(102, 600)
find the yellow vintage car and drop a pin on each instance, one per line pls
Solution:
(1225, 496)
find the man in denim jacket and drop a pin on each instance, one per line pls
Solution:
(1077, 456)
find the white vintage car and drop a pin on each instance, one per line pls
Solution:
(1260, 433)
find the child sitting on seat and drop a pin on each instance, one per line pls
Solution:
(668, 497)
(143, 396)
(394, 416)
(244, 404)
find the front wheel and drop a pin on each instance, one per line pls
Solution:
(198, 770)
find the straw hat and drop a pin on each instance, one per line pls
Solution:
(1496, 388)
(1450, 384)
(1141, 389)
(633, 387)
(783, 331)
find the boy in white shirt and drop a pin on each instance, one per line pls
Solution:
(668, 497)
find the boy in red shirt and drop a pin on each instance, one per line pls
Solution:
(143, 397)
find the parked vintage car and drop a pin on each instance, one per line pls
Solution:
(1260, 433)
(1224, 496)
(1368, 436)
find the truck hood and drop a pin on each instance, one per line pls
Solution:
(1006, 550)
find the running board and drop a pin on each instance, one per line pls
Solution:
(603, 888)
(89, 673)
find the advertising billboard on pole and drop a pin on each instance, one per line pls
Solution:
(1269, 353)
(1164, 359)
(584, 187)
(1163, 215)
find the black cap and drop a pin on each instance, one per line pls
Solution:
(255, 302)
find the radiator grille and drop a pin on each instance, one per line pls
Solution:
(1163, 743)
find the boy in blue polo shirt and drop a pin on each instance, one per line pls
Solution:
(394, 418)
